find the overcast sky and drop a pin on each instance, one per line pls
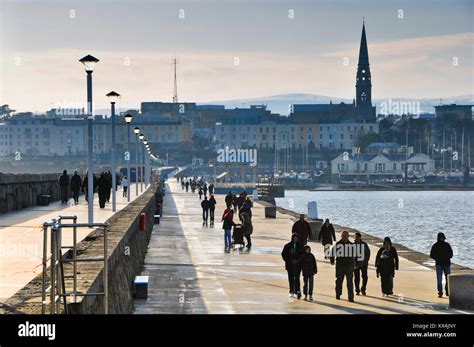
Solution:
(231, 49)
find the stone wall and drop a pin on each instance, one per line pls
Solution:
(21, 191)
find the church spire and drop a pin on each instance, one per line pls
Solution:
(363, 51)
(364, 80)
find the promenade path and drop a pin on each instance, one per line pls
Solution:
(190, 272)
(21, 237)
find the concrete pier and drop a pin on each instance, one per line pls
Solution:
(189, 272)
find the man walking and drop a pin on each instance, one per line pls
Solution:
(212, 208)
(361, 264)
(64, 186)
(291, 254)
(342, 253)
(326, 236)
(205, 210)
(442, 253)
(76, 183)
(302, 229)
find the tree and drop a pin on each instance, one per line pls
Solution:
(5, 111)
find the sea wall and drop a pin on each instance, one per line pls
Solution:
(19, 191)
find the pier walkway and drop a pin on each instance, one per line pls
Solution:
(190, 272)
(21, 237)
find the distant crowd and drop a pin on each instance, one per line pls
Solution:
(76, 184)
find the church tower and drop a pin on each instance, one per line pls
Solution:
(364, 82)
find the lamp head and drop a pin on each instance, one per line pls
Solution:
(128, 118)
(136, 130)
(89, 62)
(113, 97)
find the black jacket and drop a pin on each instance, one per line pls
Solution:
(389, 265)
(366, 257)
(76, 183)
(442, 253)
(327, 234)
(308, 264)
(212, 203)
(64, 180)
(291, 254)
(342, 258)
(205, 204)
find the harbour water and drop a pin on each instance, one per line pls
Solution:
(410, 218)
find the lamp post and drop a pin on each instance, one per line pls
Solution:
(141, 156)
(113, 97)
(136, 131)
(145, 159)
(89, 63)
(128, 120)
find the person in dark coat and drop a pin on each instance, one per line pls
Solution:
(240, 201)
(228, 199)
(303, 229)
(200, 193)
(291, 254)
(182, 184)
(76, 183)
(64, 187)
(361, 265)
(386, 262)
(247, 227)
(227, 224)
(326, 236)
(309, 268)
(343, 256)
(85, 185)
(103, 188)
(212, 208)
(442, 253)
(205, 210)
(234, 202)
(204, 189)
(246, 206)
(211, 189)
(187, 186)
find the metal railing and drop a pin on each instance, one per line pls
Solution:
(57, 287)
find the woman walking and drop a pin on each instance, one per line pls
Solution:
(386, 263)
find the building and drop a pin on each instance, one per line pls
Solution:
(39, 136)
(344, 135)
(370, 166)
(454, 112)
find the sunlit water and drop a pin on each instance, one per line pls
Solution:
(410, 218)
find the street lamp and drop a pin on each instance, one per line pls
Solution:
(142, 161)
(128, 119)
(113, 97)
(89, 63)
(136, 131)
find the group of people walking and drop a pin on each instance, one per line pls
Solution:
(351, 260)
(240, 205)
(76, 184)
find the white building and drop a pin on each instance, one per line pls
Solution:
(42, 137)
(376, 166)
(344, 135)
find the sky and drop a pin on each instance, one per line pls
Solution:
(230, 49)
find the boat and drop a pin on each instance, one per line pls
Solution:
(303, 176)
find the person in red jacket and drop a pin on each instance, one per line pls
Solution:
(303, 229)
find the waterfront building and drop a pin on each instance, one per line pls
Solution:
(371, 166)
(454, 112)
(344, 135)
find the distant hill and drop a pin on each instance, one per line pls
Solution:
(280, 103)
